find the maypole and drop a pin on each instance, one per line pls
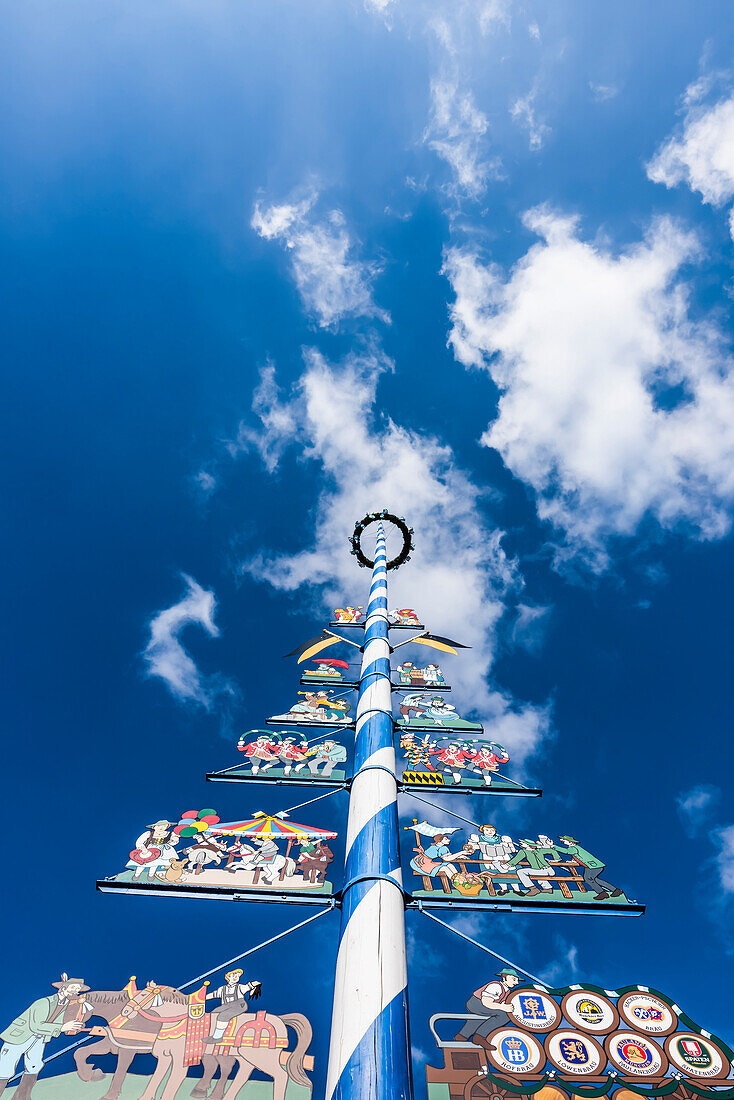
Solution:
(369, 1054)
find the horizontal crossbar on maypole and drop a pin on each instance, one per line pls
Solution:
(633, 909)
(214, 893)
(517, 792)
(282, 781)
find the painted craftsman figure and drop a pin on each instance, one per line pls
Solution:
(593, 869)
(233, 996)
(489, 1002)
(45, 1019)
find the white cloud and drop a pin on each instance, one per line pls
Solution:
(615, 406)
(701, 154)
(455, 133)
(379, 6)
(493, 14)
(278, 423)
(333, 283)
(696, 806)
(205, 482)
(725, 858)
(528, 630)
(166, 657)
(523, 111)
(534, 31)
(565, 967)
(459, 577)
(603, 92)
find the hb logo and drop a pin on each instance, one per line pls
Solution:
(423, 778)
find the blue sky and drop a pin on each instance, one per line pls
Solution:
(268, 266)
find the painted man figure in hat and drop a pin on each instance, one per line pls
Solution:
(490, 1002)
(45, 1019)
(593, 869)
(233, 996)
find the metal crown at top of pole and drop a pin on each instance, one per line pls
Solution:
(369, 1053)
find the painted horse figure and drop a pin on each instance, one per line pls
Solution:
(130, 1032)
(256, 1040)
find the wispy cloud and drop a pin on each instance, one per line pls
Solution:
(334, 284)
(455, 132)
(165, 656)
(696, 806)
(701, 152)
(603, 92)
(205, 482)
(523, 111)
(565, 966)
(725, 858)
(615, 406)
(460, 576)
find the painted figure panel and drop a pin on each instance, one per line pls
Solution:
(326, 671)
(322, 707)
(431, 760)
(413, 676)
(218, 1027)
(423, 710)
(264, 852)
(513, 1030)
(486, 864)
(277, 754)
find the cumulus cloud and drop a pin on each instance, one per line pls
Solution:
(459, 578)
(701, 153)
(524, 113)
(333, 282)
(166, 657)
(615, 406)
(696, 806)
(455, 133)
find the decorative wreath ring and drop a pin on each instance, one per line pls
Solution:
(385, 516)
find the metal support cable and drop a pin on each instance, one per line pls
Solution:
(252, 950)
(481, 946)
(199, 978)
(441, 810)
(299, 805)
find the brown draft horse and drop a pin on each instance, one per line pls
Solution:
(136, 1036)
(271, 1056)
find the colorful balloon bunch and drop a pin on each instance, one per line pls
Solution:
(194, 822)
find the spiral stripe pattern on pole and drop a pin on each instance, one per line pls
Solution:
(369, 1054)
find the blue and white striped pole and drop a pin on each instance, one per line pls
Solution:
(369, 1054)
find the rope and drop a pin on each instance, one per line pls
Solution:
(199, 978)
(481, 947)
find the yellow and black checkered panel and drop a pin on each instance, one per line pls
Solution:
(423, 779)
